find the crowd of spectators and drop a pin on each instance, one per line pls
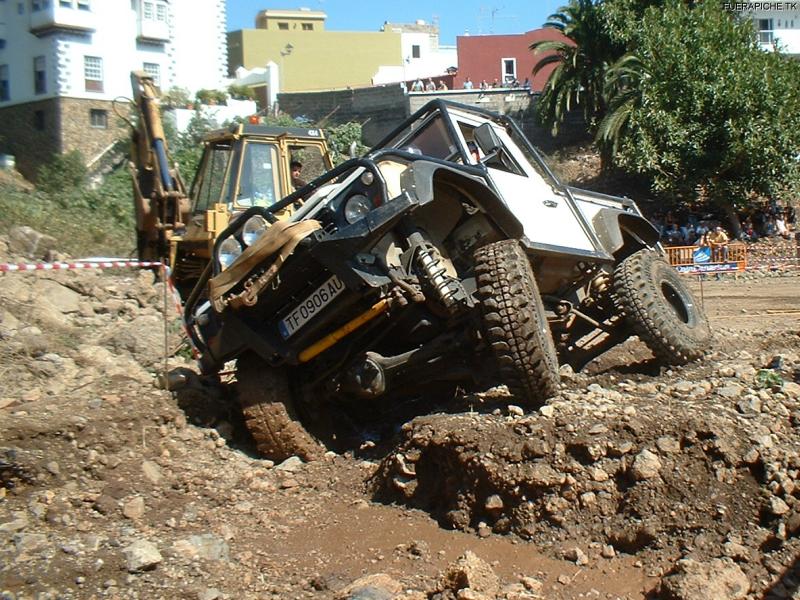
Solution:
(688, 229)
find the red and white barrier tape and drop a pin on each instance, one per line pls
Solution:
(108, 264)
(83, 264)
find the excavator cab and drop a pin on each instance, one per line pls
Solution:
(242, 166)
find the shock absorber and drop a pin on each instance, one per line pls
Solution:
(431, 264)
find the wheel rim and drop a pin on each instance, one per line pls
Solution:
(680, 304)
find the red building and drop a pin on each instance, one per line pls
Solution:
(503, 58)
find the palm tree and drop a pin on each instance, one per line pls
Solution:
(623, 91)
(581, 62)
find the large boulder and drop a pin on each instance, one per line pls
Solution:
(28, 242)
(718, 579)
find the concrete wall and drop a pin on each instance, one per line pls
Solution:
(381, 109)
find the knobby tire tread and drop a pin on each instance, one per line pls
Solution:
(515, 324)
(269, 412)
(636, 288)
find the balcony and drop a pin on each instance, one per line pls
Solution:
(153, 31)
(60, 18)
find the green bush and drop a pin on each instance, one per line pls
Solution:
(63, 172)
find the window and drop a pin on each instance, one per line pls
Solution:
(65, 3)
(38, 120)
(35, 6)
(20, 8)
(415, 53)
(765, 31)
(5, 85)
(283, 26)
(39, 75)
(211, 176)
(154, 70)
(98, 118)
(308, 27)
(84, 5)
(2, 44)
(93, 73)
(509, 70)
(258, 183)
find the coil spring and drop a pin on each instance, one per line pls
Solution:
(431, 264)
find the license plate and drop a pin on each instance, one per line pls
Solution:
(310, 307)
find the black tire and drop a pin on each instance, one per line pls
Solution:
(660, 308)
(514, 322)
(269, 412)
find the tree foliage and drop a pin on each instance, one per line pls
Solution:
(580, 63)
(700, 108)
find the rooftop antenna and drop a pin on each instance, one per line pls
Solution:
(490, 12)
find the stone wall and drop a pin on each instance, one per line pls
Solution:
(77, 132)
(67, 127)
(381, 109)
(20, 137)
(378, 109)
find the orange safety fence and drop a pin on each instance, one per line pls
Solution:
(696, 259)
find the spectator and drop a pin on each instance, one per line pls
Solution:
(430, 86)
(673, 235)
(417, 86)
(442, 87)
(495, 83)
(468, 84)
(484, 85)
(718, 240)
(526, 84)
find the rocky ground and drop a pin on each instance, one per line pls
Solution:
(633, 482)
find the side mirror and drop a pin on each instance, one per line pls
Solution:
(487, 139)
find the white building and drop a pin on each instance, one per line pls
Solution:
(422, 55)
(63, 62)
(777, 24)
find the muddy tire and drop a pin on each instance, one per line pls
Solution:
(660, 308)
(270, 413)
(514, 322)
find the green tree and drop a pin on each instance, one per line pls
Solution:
(708, 114)
(580, 63)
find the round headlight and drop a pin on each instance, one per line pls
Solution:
(253, 229)
(356, 207)
(229, 251)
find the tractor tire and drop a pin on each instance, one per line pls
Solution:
(269, 412)
(514, 322)
(660, 308)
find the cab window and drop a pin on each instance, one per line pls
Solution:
(259, 183)
(212, 177)
(307, 163)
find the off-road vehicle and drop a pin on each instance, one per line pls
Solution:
(448, 255)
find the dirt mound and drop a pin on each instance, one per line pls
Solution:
(701, 462)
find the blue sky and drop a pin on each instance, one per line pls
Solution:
(455, 18)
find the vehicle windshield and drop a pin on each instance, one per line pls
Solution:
(427, 136)
(259, 183)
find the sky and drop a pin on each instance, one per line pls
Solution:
(455, 18)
